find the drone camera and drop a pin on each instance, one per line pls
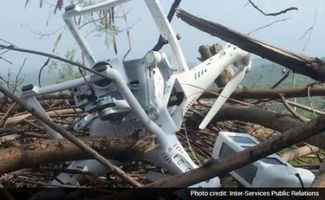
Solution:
(112, 109)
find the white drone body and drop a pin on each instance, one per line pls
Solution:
(143, 96)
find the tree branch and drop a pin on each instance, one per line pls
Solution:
(250, 93)
(297, 105)
(54, 151)
(268, 119)
(48, 55)
(271, 14)
(312, 67)
(299, 152)
(285, 103)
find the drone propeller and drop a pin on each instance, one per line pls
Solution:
(225, 94)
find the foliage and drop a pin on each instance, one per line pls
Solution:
(13, 81)
(66, 71)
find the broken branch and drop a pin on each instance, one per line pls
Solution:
(299, 152)
(252, 93)
(54, 151)
(312, 67)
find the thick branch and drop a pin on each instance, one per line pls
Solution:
(54, 151)
(312, 67)
(249, 93)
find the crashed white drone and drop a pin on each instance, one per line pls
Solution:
(149, 95)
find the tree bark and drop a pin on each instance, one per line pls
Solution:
(249, 93)
(54, 151)
(312, 67)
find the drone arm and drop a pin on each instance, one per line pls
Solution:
(135, 105)
(80, 39)
(167, 31)
(30, 92)
(73, 11)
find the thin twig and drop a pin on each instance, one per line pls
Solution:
(14, 48)
(271, 14)
(284, 77)
(7, 114)
(310, 30)
(310, 102)
(190, 146)
(285, 103)
(161, 41)
(17, 81)
(305, 107)
(6, 60)
(268, 25)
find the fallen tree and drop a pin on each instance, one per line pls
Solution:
(312, 67)
(54, 151)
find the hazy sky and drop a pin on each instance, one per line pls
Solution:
(18, 24)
